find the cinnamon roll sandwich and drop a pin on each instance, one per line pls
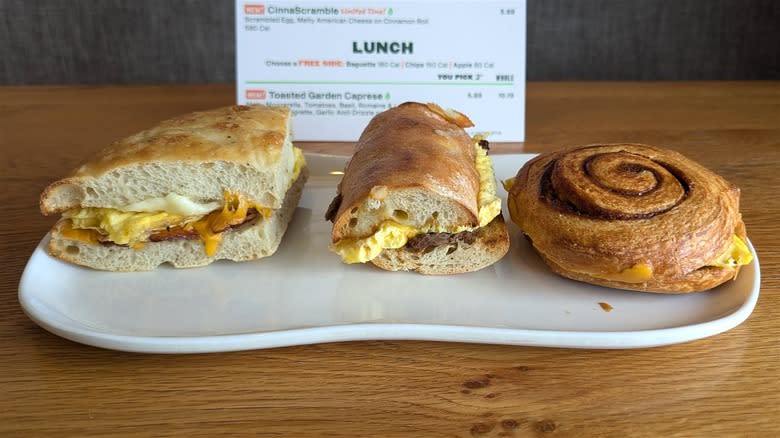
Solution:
(630, 216)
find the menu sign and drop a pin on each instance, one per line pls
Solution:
(338, 63)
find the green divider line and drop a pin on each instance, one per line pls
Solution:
(469, 83)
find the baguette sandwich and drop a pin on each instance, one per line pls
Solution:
(219, 184)
(419, 194)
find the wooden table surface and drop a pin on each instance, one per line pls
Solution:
(726, 385)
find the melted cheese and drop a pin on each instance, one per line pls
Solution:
(234, 212)
(132, 228)
(133, 224)
(392, 235)
(639, 273)
(88, 236)
(737, 254)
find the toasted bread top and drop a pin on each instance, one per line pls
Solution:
(414, 157)
(211, 149)
(630, 216)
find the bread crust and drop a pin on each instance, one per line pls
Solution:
(255, 140)
(235, 133)
(409, 149)
(490, 245)
(595, 211)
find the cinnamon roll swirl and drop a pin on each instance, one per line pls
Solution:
(630, 216)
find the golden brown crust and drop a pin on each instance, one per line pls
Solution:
(239, 132)
(698, 280)
(67, 183)
(409, 147)
(490, 244)
(596, 211)
(251, 141)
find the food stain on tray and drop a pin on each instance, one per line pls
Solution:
(605, 306)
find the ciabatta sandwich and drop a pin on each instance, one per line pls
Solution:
(219, 184)
(419, 194)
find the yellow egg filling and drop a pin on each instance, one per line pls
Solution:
(94, 224)
(392, 235)
(737, 254)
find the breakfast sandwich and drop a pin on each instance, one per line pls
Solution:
(630, 216)
(218, 184)
(419, 194)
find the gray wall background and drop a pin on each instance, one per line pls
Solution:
(192, 41)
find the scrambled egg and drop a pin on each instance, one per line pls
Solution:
(300, 162)
(392, 235)
(489, 203)
(133, 224)
(121, 227)
(737, 254)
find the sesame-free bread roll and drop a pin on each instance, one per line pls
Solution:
(419, 195)
(630, 216)
(218, 184)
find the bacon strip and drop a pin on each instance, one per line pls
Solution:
(181, 233)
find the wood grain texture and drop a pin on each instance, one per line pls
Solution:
(726, 385)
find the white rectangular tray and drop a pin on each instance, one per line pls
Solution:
(304, 295)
